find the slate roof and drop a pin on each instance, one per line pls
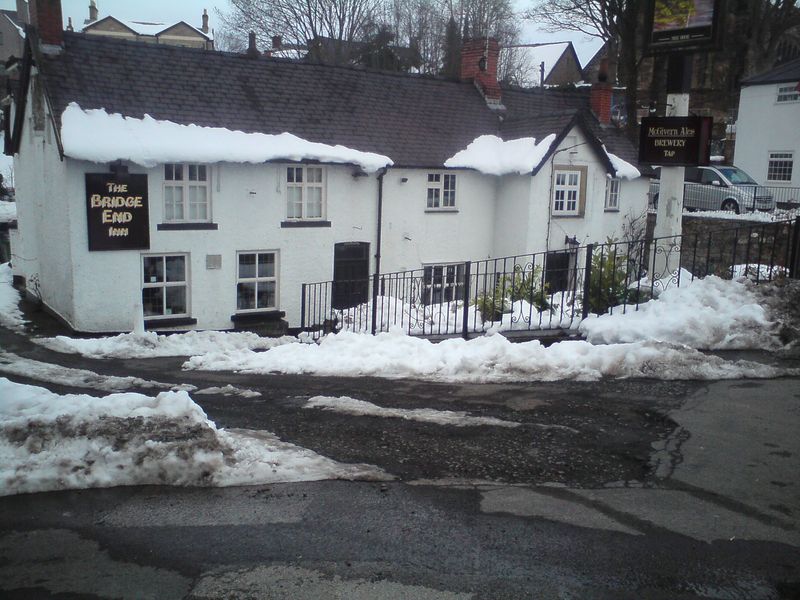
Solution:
(418, 121)
(785, 73)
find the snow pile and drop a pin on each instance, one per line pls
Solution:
(623, 169)
(447, 318)
(98, 136)
(10, 315)
(53, 442)
(493, 156)
(709, 313)
(8, 211)
(351, 406)
(149, 344)
(486, 359)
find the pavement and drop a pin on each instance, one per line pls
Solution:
(608, 490)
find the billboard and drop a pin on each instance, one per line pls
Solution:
(681, 25)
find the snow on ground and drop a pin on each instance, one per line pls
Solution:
(100, 137)
(708, 313)
(10, 314)
(351, 406)
(229, 390)
(150, 345)
(8, 211)
(55, 442)
(491, 358)
(11, 364)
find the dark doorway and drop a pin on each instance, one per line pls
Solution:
(559, 271)
(350, 274)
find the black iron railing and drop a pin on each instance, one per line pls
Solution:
(547, 291)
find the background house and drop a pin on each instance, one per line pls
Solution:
(283, 173)
(541, 64)
(176, 34)
(768, 126)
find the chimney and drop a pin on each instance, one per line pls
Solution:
(22, 11)
(277, 42)
(479, 65)
(601, 94)
(204, 28)
(92, 11)
(46, 18)
(252, 50)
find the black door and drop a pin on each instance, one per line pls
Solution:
(350, 274)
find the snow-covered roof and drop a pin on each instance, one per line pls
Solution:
(150, 28)
(98, 136)
(492, 155)
(623, 169)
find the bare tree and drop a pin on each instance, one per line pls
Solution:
(300, 21)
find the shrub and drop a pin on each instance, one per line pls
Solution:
(610, 280)
(522, 285)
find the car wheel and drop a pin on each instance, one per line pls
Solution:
(730, 206)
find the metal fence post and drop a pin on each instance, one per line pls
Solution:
(375, 281)
(587, 275)
(795, 244)
(303, 308)
(465, 316)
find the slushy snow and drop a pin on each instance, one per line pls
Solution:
(150, 345)
(55, 442)
(10, 314)
(351, 406)
(491, 358)
(100, 137)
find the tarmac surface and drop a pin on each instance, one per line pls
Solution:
(614, 489)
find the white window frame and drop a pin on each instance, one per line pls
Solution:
(561, 199)
(613, 187)
(164, 285)
(780, 156)
(186, 187)
(441, 189)
(451, 283)
(258, 280)
(290, 179)
(787, 93)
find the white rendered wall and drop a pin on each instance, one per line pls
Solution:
(248, 205)
(413, 235)
(41, 249)
(763, 126)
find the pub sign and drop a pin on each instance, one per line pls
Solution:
(681, 25)
(675, 141)
(117, 211)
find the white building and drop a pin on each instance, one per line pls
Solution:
(768, 126)
(182, 197)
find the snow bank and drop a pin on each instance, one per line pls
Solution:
(10, 314)
(351, 406)
(53, 442)
(493, 156)
(487, 359)
(98, 136)
(8, 211)
(709, 313)
(150, 344)
(623, 169)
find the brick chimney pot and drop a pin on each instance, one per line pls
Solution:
(45, 16)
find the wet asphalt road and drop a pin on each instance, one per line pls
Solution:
(617, 489)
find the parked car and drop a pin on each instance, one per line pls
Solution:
(723, 187)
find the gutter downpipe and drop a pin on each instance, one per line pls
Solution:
(376, 276)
